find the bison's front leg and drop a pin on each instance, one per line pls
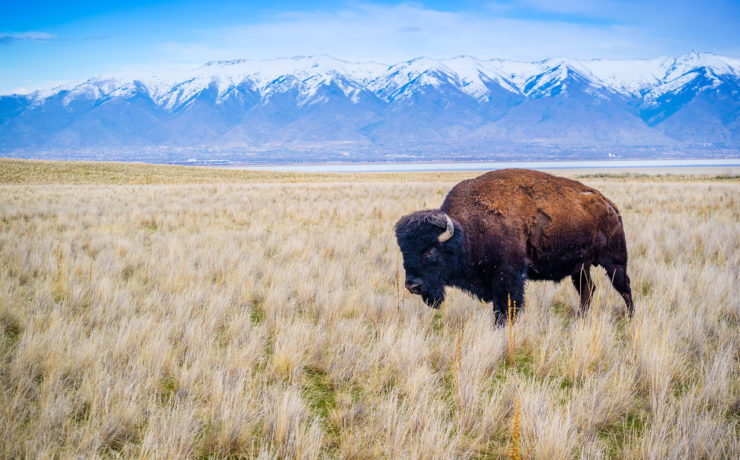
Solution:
(508, 293)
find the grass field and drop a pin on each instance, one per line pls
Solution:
(172, 312)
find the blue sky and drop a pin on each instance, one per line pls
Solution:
(42, 43)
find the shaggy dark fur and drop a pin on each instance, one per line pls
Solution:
(511, 225)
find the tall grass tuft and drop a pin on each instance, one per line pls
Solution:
(516, 453)
(511, 328)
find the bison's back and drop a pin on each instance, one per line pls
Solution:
(550, 214)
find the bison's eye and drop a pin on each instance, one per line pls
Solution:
(431, 254)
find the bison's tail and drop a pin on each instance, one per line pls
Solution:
(614, 261)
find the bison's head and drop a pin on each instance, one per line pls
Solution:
(431, 246)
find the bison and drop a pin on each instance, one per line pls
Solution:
(494, 232)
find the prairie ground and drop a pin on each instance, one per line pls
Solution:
(149, 311)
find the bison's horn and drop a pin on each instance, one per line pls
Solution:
(448, 232)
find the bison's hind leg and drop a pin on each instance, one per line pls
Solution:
(617, 273)
(584, 286)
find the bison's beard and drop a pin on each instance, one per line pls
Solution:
(434, 297)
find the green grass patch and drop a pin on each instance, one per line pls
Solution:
(319, 393)
(631, 426)
(167, 389)
(565, 384)
(150, 224)
(560, 308)
(437, 323)
(11, 331)
(257, 315)
(523, 364)
(82, 414)
(645, 289)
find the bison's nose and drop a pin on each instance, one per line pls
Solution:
(414, 286)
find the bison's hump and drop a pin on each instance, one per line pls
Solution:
(536, 203)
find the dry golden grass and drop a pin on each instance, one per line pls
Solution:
(26, 172)
(262, 318)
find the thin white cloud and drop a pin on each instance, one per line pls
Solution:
(13, 37)
(8, 38)
(388, 33)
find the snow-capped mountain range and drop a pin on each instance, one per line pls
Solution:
(324, 107)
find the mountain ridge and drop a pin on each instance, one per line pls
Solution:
(461, 106)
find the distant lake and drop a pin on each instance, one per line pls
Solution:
(488, 165)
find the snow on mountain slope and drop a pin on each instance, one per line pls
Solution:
(466, 102)
(468, 74)
(264, 77)
(475, 76)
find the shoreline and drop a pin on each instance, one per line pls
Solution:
(450, 166)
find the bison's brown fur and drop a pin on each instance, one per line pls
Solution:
(515, 224)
